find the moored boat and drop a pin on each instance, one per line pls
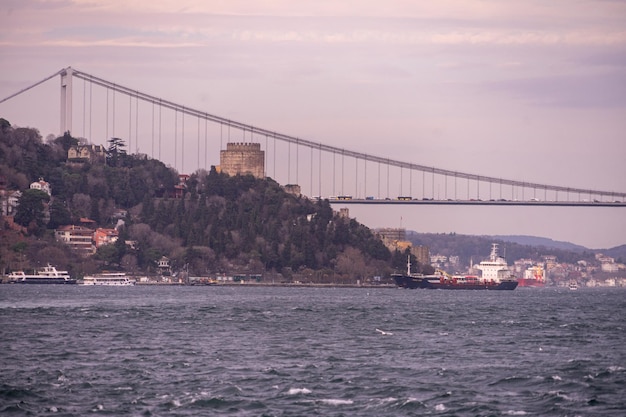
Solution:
(113, 279)
(46, 275)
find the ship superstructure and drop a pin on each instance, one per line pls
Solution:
(495, 268)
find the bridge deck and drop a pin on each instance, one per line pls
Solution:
(482, 202)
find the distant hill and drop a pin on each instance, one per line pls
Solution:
(540, 241)
(471, 248)
(618, 252)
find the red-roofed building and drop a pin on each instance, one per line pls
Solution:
(84, 221)
(41, 185)
(105, 236)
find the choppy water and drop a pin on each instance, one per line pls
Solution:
(260, 351)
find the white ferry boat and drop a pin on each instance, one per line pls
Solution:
(113, 279)
(46, 275)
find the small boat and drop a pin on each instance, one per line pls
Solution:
(573, 286)
(112, 279)
(46, 275)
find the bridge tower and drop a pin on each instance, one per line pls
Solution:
(66, 100)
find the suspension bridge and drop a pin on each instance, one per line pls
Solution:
(189, 139)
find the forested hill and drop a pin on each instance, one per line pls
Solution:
(222, 224)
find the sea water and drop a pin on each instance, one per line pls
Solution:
(276, 351)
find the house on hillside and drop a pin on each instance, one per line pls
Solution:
(78, 238)
(86, 153)
(41, 185)
(104, 236)
(9, 200)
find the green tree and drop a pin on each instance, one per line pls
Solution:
(30, 212)
(59, 214)
(116, 154)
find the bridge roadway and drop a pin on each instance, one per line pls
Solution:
(425, 201)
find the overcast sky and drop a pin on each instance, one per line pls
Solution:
(524, 90)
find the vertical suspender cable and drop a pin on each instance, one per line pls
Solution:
(84, 104)
(107, 119)
(90, 105)
(342, 160)
(152, 151)
(130, 124)
(432, 189)
(137, 123)
(334, 177)
(356, 183)
(182, 145)
(113, 126)
(319, 173)
(160, 126)
(365, 179)
(198, 163)
(378, 179)
(388, 178)
(176, 138)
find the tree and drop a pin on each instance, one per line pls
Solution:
(59, 214)
(116, 153)
(30, 211)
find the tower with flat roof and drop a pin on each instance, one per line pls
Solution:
(242, 159)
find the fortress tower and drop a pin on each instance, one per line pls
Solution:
(243, 158)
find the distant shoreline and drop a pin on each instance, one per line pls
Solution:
(272, 284)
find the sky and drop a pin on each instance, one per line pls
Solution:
(532, 91)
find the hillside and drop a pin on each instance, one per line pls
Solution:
(618, 252)
(210, 224)
(477, 248)
(540, 241)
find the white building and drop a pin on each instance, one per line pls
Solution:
(9, 201)
(41, 185)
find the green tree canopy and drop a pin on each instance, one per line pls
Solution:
(30, 211)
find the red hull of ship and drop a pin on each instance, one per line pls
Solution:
(525, 282)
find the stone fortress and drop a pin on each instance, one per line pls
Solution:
(243, 158)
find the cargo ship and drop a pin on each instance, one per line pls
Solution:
(495, 276)
(533, 277)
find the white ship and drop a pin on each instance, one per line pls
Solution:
(46, 275)
(495, 269)
(113, 279)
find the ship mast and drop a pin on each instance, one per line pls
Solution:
(408, 265)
